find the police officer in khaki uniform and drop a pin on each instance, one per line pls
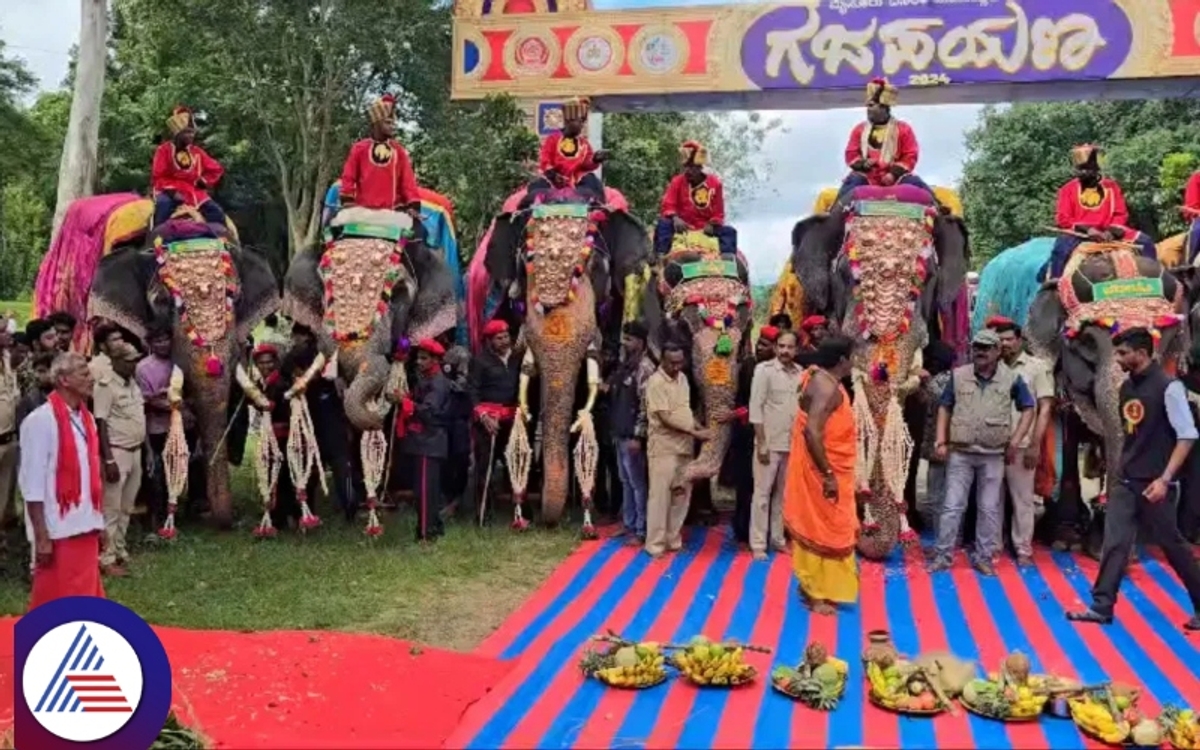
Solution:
(9, 396)
(120, 413)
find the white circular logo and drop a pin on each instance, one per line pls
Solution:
(82, 681)
(659, 54)
(595, 53)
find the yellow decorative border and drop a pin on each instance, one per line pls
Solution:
(616, 45)
(1149, 53)
(638, 43)
(518, 36)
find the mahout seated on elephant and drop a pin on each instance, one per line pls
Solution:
(182, 173)
(212, 292)
(882, 151)
(880, 267)
(567, 159)
(694, 201)
(1091, 208)
(1191, 216)
(562, 275)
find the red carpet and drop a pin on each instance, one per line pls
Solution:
(309, 690)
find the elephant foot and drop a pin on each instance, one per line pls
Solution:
(909, 538)
(588, 533)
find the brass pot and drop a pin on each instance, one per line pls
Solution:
(880, 648)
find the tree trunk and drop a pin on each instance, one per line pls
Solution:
(77, 172)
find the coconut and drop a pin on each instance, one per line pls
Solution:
(1017, 665)
(816, 654)
(1147, 733)
(626, 656)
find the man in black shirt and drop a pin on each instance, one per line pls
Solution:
(1159, 433)
(425, 437)
(626, 388)
(493, 382)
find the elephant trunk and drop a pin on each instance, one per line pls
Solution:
(716, 377)
(367, 373)
(210, 401)
(558, 404)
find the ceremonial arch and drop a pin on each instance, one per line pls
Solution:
(818, 54)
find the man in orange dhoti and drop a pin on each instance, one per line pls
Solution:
(820, 509)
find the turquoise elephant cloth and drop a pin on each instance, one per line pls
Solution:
(440, 229)
(1010, 281)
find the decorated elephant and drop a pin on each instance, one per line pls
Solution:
(701, 300)
(1105, 287)
(214, 293)
(562, 269)
(363, 291)
(882, 267)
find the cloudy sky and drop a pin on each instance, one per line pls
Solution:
(807, 153)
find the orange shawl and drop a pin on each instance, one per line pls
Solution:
(825, 528)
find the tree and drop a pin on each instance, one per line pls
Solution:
(1018, 157)
(77, 172)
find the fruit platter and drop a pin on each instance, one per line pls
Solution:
(1181, 726)
(899, 685)
(1109, 713)
(818, 682)
(1011, 695)
(624, 664)
(707, 664)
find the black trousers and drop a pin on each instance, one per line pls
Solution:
(427, 495)
(1127, 514)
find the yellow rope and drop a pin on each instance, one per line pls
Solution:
(374, 460)
(895, 449)
(586, 454)
(867, 432)
(303, 452)
(268, 462)
(175, 453)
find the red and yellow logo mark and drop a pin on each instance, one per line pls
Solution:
(701, 196)
(1134, 412)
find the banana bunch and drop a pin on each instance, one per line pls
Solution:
(707, 663)
(1097, 720)
(1182, 727)
(1009, 702)
(631, 666)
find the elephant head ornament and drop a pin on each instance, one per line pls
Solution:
(882, 269)
(370, 285)
(563, 266)
(215, 293)
(702, 302)
(1105, 288)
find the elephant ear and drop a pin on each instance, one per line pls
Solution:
(124, 290)
(816, 241)
(1043, 327)
(434, 309)
(303, 297)
(953, 248)
(259, 294)
(628, 245)
(503, 250)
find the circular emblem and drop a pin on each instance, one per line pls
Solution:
(1090, 197)
(531, 54)
(474, 56)
(594, 52)
(658, 50)
(1133, 411)
(701, 195)
(556, 326)
(568, 147)
(91, 671)
(382, 153)
(183, 159)
(716, 371)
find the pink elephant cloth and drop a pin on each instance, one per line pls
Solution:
(479, 284)
(65, 277)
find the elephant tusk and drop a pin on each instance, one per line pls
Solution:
(330, 371)
(302, 381)
(175, 387)
(252, 391)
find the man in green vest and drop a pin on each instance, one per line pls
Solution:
(976, 438)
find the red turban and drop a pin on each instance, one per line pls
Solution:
(813, 321)
(494, 327)
(429, 346)
(262, 349)
(770, 333)
(999, 321)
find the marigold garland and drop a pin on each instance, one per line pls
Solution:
(518, 456)
(175, 453)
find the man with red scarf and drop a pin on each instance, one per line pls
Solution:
(426, 439)
(378, 172)
(1092, 208)
(61, 484)
(567, 158)
(493, 384)
(182, 173)
(695, 201)
(883, 150)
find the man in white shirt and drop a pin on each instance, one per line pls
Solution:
(774, 401)
(60, 481)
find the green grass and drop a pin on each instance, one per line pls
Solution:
(451, 593)
(22, 311)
